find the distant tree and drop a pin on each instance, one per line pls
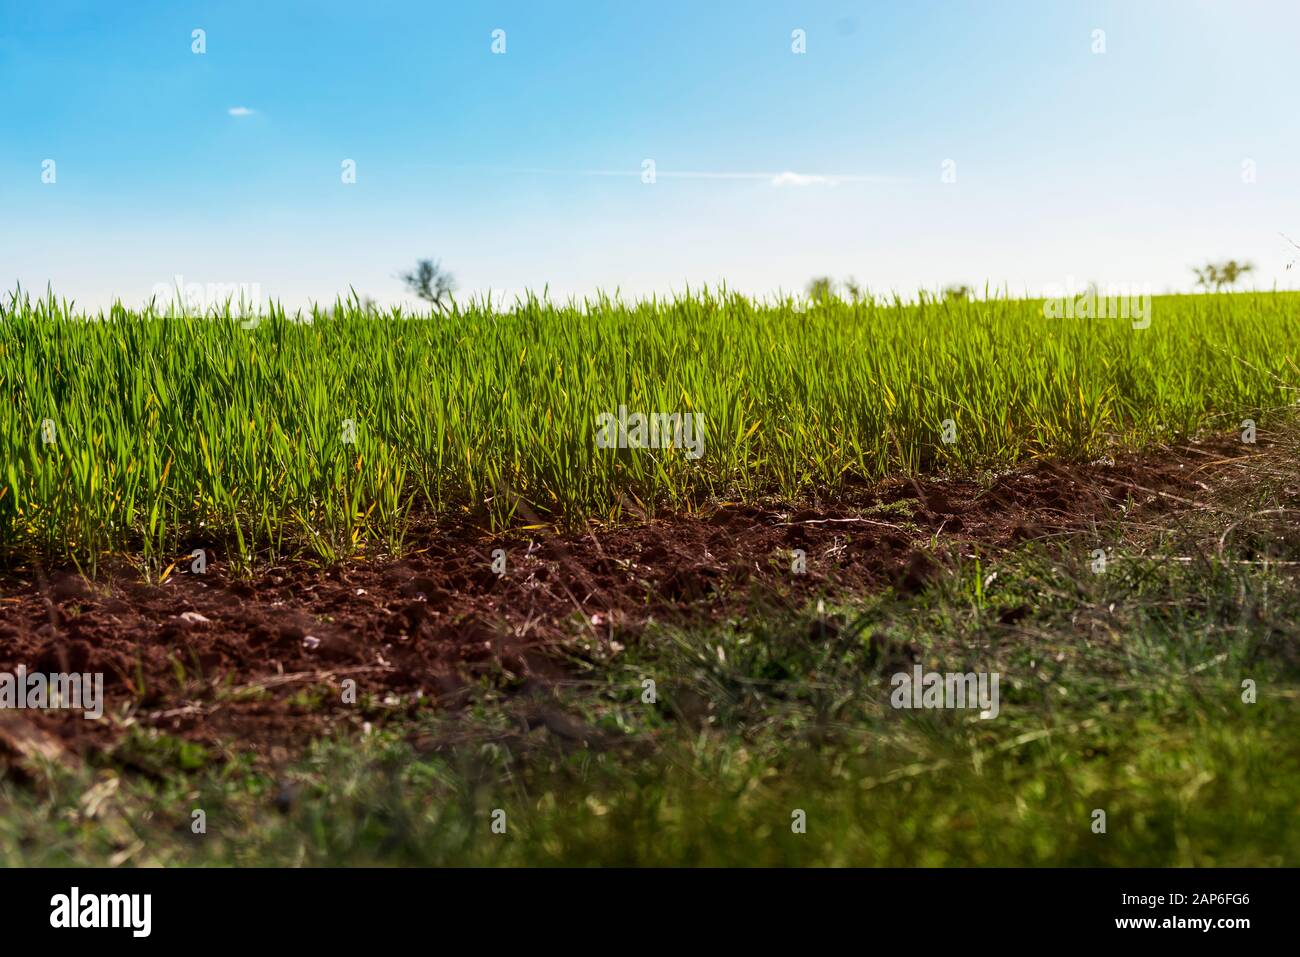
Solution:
(821, 289)
(958, 291)
(430, 282)
(1219, 275)
(1232, 270)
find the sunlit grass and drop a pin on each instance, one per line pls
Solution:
(155, 434)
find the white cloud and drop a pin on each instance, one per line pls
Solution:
(783, 178)
(240, 111)
(802, 179)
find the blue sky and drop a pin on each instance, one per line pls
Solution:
(523, 169)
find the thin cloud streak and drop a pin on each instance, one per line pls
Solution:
(783, 178)
(779, 179)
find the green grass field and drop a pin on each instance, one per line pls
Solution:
(129, 433)
(137, 437)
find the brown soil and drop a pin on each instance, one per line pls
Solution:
(213, 657)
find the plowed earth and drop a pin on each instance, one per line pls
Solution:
(215, 657)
